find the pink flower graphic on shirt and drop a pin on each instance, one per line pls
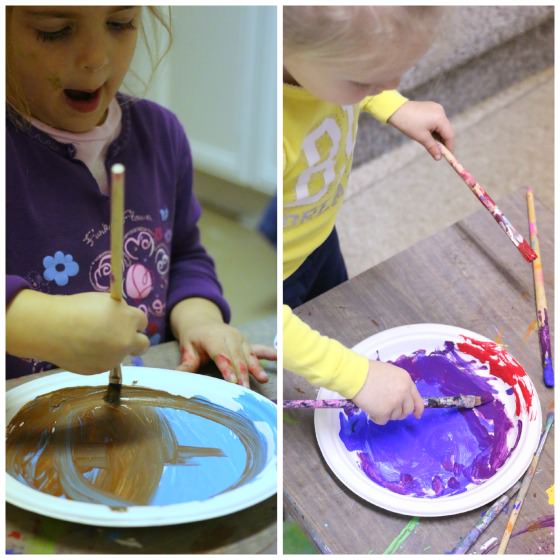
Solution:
(145, 272)
(60, 268)
(100, 272)
(139, 282)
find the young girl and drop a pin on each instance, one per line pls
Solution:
(339, 61)
(67, 124)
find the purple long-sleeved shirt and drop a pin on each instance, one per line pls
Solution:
(58, 234)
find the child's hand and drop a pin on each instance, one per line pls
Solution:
(203, 336)
(84, 333)
(388, 394)
(228, 349)
(419, 120)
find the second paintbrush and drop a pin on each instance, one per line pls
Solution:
(458, 401)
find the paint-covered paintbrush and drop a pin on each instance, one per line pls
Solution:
(458, 401)
(491, 513)
(480, 192)
(540, 296)
(528, 478)
(113, 395)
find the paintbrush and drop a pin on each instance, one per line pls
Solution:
(480, 192)
(458, 401)
(113, 395)
(528, 478)
(540, 295)
(491, 513)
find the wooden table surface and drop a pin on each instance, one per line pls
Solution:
(251, 531)
(469, 275)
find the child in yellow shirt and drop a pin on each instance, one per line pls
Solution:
(338, 62)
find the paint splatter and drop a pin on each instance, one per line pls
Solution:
(550, 494)
(447, 450)
(289, 418)
(398, 541)
(499, 338)
(47, 534)
(533, 325)
(129, 542)
(501, 365)
(541, 523)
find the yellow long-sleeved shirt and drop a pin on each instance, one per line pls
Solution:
(319, 142)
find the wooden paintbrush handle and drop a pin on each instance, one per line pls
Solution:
(480, 192)
(117, 230)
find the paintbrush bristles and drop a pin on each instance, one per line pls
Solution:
(459, 401)
(113, 395)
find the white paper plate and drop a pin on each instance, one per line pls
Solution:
(262, 414)
(390, 345)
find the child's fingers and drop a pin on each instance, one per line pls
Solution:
(418, 403)
(429, 142)
(445, 132)
(225, 365)
(397, 413)
(238, 362)
(243, 373)
(380, 419)
(139, 345)
(190, 358)
(255, 368)
(408, 406)
(264, 352)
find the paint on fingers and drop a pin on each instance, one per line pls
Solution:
(226, 368)
(189, 358)
(243, 372)
(256, 369)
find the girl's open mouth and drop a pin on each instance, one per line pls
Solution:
(81, 100)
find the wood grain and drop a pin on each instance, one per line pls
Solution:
(468, 275)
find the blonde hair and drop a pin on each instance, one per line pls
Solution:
(18, 105)
(346, 33)
(153, 41)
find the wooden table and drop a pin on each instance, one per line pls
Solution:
(251, 531)
(469, 275)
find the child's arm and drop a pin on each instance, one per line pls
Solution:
(384, 391)
(84, 333)
(420, 120)
(199, 312)
(202, 334)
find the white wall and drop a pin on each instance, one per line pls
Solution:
(220, 80)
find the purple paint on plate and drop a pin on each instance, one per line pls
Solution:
(447, 449)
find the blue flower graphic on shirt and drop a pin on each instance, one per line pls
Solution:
(60, 268)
